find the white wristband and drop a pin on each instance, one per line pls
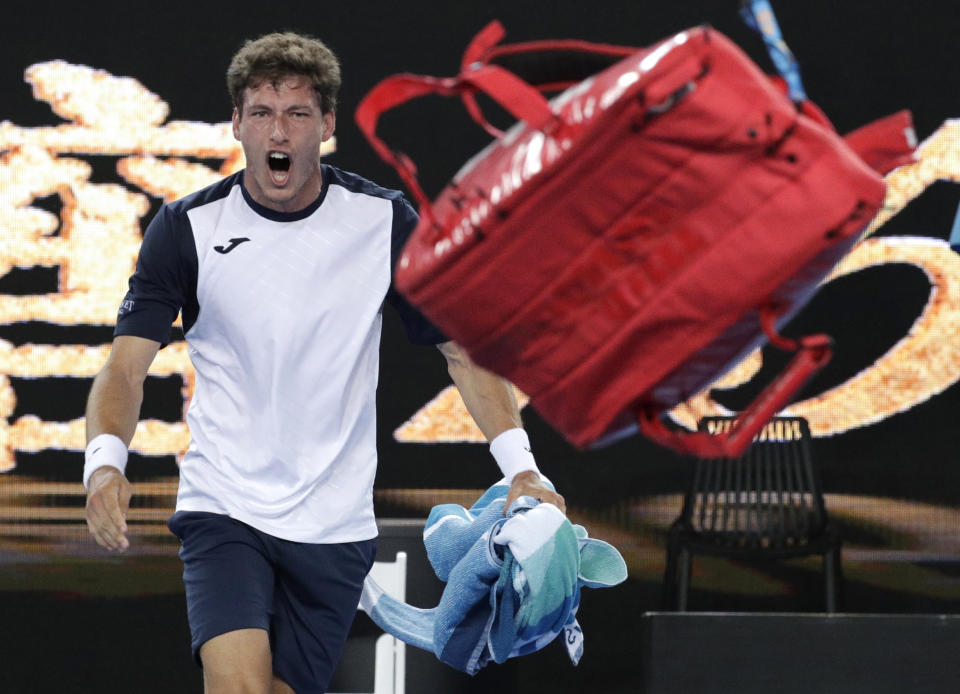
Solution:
(105, 449)
(511, 450)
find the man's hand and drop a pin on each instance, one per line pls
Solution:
(528, 483)
(108, 499)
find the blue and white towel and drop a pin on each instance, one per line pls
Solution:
(513, 582)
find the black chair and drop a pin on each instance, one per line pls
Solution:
(766, 504)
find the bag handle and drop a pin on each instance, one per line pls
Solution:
(508, 90)
(515, 95)
(389, 94)
(483, 48)
(812, 354)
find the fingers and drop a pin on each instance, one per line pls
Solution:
(107, 503)
(123, 499)
(555, 499)
(529, 484)
(512, 496)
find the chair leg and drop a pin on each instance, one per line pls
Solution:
(833, 578)
(669, 594)
(683, 579)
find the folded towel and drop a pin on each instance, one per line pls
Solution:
(513, 582)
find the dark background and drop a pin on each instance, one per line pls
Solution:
(71, 620)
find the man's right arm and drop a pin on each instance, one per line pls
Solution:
(113, 410)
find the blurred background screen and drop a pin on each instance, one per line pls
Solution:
(108, 111)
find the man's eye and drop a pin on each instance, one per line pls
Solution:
(300, 114)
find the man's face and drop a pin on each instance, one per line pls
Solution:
(281, 128)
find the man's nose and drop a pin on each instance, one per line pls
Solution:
(278, 132)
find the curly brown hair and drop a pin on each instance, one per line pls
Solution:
(273, 57)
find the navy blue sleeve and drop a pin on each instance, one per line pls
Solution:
(164, 283)
(420, 331)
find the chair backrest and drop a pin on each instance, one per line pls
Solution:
(769, 498)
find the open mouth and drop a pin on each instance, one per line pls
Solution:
(279, 166)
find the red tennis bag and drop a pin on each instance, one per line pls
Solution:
(623, 245)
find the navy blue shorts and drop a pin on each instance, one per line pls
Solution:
(305, 595)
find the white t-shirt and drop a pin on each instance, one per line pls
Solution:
(282, 316)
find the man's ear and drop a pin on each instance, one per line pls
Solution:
(236, 123)
(329, 125)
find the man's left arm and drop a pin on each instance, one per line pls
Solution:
(490, 401)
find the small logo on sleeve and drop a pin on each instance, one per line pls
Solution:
(126, 306)
(233, 244)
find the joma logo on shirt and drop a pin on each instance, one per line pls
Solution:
(233, 244)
